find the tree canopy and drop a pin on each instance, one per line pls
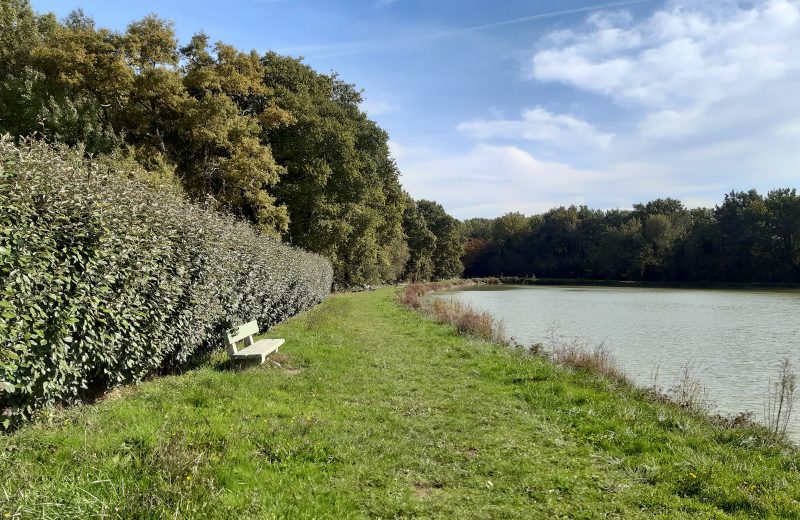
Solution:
(264, 137)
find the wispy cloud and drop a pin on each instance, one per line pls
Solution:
(541, 125)
(377, 107)
(489, 180)
(691, 70)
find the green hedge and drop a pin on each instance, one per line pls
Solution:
(106, 280)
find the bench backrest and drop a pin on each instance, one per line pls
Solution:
(242, 332)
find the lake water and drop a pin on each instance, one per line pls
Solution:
(735, 339)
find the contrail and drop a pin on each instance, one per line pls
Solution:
(335, 49)
(540, 16)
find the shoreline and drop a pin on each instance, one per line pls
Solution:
(584, 282)
(688, 392)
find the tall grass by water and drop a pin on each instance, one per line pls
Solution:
(464, 318)
(780, 400)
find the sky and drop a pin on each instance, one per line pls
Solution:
(511, 105)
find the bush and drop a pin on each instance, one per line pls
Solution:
(106, 280)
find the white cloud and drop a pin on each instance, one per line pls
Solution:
(686, 67)
(541, 125)
(400, 151)
(377, 107)
(490, 180)
(705, 100)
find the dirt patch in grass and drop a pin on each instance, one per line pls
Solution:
(118, 392)
(421, 490)
(285, 363)
(280, 358)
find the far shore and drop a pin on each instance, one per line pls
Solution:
(518, 280)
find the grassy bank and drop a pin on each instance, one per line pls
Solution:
(378, 412)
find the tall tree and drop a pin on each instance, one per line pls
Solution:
(449, 245)
(341, 187)
(421, 244)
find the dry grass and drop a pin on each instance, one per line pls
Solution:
(688, 392)
(463, 317)
(598, 360)
(412, 294)
(467, 320)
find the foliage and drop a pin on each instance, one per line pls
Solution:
(105, 280)
(747, 238)
(264, 137)
(421, 245)
(446, 257)
(341, 186)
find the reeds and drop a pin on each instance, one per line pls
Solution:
(780, 400)
(688, 392)
(467, 320)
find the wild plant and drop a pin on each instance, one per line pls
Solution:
(780, 400)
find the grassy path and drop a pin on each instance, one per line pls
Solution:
(381, 413)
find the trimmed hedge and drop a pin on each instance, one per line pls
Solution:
(106, 280)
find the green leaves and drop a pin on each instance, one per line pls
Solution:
(116, 281)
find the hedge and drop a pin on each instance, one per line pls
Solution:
(106, 280)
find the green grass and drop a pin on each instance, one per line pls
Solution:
(385, 414)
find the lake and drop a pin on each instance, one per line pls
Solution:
(734, 339)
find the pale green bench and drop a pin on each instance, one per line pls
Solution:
(257, 351)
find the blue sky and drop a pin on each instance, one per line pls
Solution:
(525, 105)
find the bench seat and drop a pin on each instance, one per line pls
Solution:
(258, 350)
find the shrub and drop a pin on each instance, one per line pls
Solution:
(106, 280)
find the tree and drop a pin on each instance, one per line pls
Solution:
(421, 244)
(263, 137)
(341, 186)
(449, 246)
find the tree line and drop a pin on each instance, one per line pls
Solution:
(749, 237)
(263, 137)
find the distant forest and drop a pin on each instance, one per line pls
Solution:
(747, 238)
(264, 137)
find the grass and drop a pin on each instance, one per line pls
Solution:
(378, 412)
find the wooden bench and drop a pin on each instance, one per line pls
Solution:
(251, 351)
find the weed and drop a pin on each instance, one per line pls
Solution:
(688, 392)
(598, 360)
(780, 400)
